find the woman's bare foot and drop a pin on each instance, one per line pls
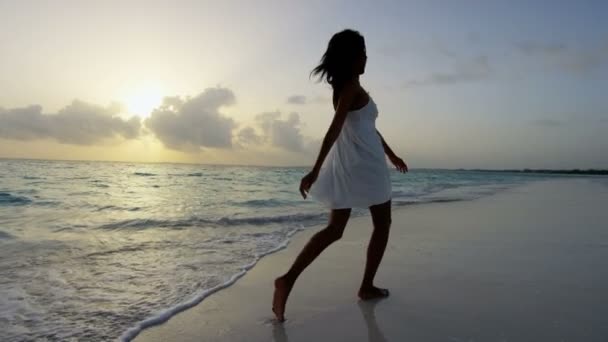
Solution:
(282, 288)
(372, 293)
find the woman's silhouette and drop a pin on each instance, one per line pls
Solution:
(350, 173)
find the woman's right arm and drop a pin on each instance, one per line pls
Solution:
(345, 101)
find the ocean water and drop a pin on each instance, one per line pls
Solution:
(97, 251)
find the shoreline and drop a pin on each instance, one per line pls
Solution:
(242, 311)
(160, 318)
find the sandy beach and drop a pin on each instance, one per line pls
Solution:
(526, 264)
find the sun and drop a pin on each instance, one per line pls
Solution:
(142, 100)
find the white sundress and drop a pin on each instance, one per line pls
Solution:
(355, 173)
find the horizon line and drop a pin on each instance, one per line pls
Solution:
(298, 166)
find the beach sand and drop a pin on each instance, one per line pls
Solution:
(527, 264)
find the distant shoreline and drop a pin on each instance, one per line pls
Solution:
(548, 171)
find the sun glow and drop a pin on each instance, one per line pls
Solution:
(144, 99)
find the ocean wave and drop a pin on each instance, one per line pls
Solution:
(144, 174)
(446, 192)
(117, 208)
(164, 315)
(49, 203)
(113, 251)
(262, 220)
(223, 221)
(7, 199)
(193, 174)
(5, 236)
(223, 178)
(404, 193)
(261, 203)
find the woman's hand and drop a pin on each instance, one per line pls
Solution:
(399, 163)
(307, 181)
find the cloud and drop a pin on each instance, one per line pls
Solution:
(193, 123)
(281, 133)
(301, 99)
(248, 136)
(391, 51)
(312, 145)
(296, 99)
(476, 69)
(535, 48)
(547, 122)
(79, 123)
(580, 59)
(273, 130)
(586, 60)
(321, 99)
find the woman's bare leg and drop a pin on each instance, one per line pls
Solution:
(333, 232)
(381, 217)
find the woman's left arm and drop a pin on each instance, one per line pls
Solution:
(387, 149)
(398, 162)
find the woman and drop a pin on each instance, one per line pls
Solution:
(351, 173)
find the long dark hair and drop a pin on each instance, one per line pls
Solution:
(336, 66)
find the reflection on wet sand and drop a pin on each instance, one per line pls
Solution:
(278, 332)
(374, 334)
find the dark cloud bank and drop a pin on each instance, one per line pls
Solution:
(79, 123)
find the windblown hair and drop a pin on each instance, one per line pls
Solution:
(336, 66)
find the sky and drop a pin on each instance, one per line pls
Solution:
(458, 84)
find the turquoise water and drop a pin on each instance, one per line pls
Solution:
(99, 250)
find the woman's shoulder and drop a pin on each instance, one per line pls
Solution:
(353, 90)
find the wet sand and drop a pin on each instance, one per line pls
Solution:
(527, 264)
